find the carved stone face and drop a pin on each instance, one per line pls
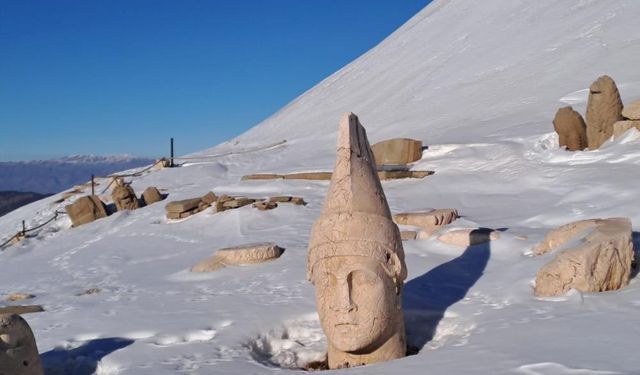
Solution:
(357, 302)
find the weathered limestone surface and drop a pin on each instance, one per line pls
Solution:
(604, 109)
(429, 221)
(356, 260)
(563, 234)
(632, 110)
(396, 175)
(571, 129)
(124, 198)
(151, 195)
(263, 176)
(85, 210)
(265, 205)
(407, 235)
(469, 237)
(397, 151)
(234, 256)
(24, 309)
(209, 198)
(183, 205)
(18, 349)
(621, 127)
(602, 262)
(237, 202)
(308, 176)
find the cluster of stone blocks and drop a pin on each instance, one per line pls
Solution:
(90, 208)
(187, 207)
(606, 117)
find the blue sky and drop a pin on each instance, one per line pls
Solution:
(123, 76)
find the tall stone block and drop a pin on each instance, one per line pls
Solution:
(571, 129)
(397, 151)
(356, 260)
(604, 109)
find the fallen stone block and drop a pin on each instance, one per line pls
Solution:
(161, 164)
(407, 235)
(621, 127)
(221, 201)
(124, 198)
(396, 175)
(469, 237)
(210, 198)
(265, 205)
(14, 297)
(183, 205)
(151, 195)
(85, 210)
(233, 256)
(319, 176)
(397, 151)
(237, 202)
(288, 199)
(263, 176)
(602, 262)
(632, 110)
(428, 221)
(26, 309)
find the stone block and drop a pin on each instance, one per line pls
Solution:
(621, 127)
(210, 198)
(234, 256)
(265, 205)
(124, 198)
(18, 349)
(397, 151)
(563, 234)
(85, 210)
(602, 262)
(263, 176)
(151, 195)
(320, 176)
(183, 205)
(469, 237)
(631, 111)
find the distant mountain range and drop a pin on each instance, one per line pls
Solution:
(10, 200)
(55, 175)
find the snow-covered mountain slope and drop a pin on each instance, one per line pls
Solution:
(479, 83)
(51, 176)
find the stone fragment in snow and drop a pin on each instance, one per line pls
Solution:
(263, 176)
(209, 198)
(397, 175)
(308, 176)
(124, 198)
(161, 164)
(469, 237)
(151, 195)
(18, 349)
(233, 256)
(407, 235)
(428, 221)
(237, 202)
(621, 127)
(397, 151)
(265, 205)
(602, 262)
(85, 210)
(183, 205)
(13, 297)
(571, 129)
(26, 309)
(563, 234)
(604, 108)
(632, 110)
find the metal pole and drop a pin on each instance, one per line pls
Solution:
(92, 185)
(171, 163)
(24, 228)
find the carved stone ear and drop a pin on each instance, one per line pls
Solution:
(394, 265)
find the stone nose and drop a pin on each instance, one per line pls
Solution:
(342, 300)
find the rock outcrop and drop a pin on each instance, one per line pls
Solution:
(18, 349)
(240, 255)
(601, 262)
(604, 109)
(356, 260)
(571, 129)
(85, 210)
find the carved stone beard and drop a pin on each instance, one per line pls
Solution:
(359, 304)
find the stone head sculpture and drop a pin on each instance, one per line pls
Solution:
(356, 259)
(604, 108)
(571, 129)
(18, 350)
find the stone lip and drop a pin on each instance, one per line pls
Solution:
(601, 262)
(239, 255)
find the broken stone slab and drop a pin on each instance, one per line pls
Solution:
(183, 205)
(161, 164)
(263, 176)
(26, 309)
(288, 199)
(14, 297)
(602, 262)
(469, 237)
(209, 198)
(85, 210)
(429, 221)
(563, 234)
(265, 205)
(221, 201)
(124, 198)
(621, 127)
(397, 151)
(604, 108)
(397, 175)
(181, 215)
(151, 195)
(407, 235)
(18, 349)
(314, 176)
(571, 129)
(632, 110)
(240, 255)
(237, 202)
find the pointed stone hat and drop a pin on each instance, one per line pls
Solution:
(355, 219)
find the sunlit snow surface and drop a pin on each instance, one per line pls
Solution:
(479, 83)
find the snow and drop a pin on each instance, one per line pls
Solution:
(479, 83)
